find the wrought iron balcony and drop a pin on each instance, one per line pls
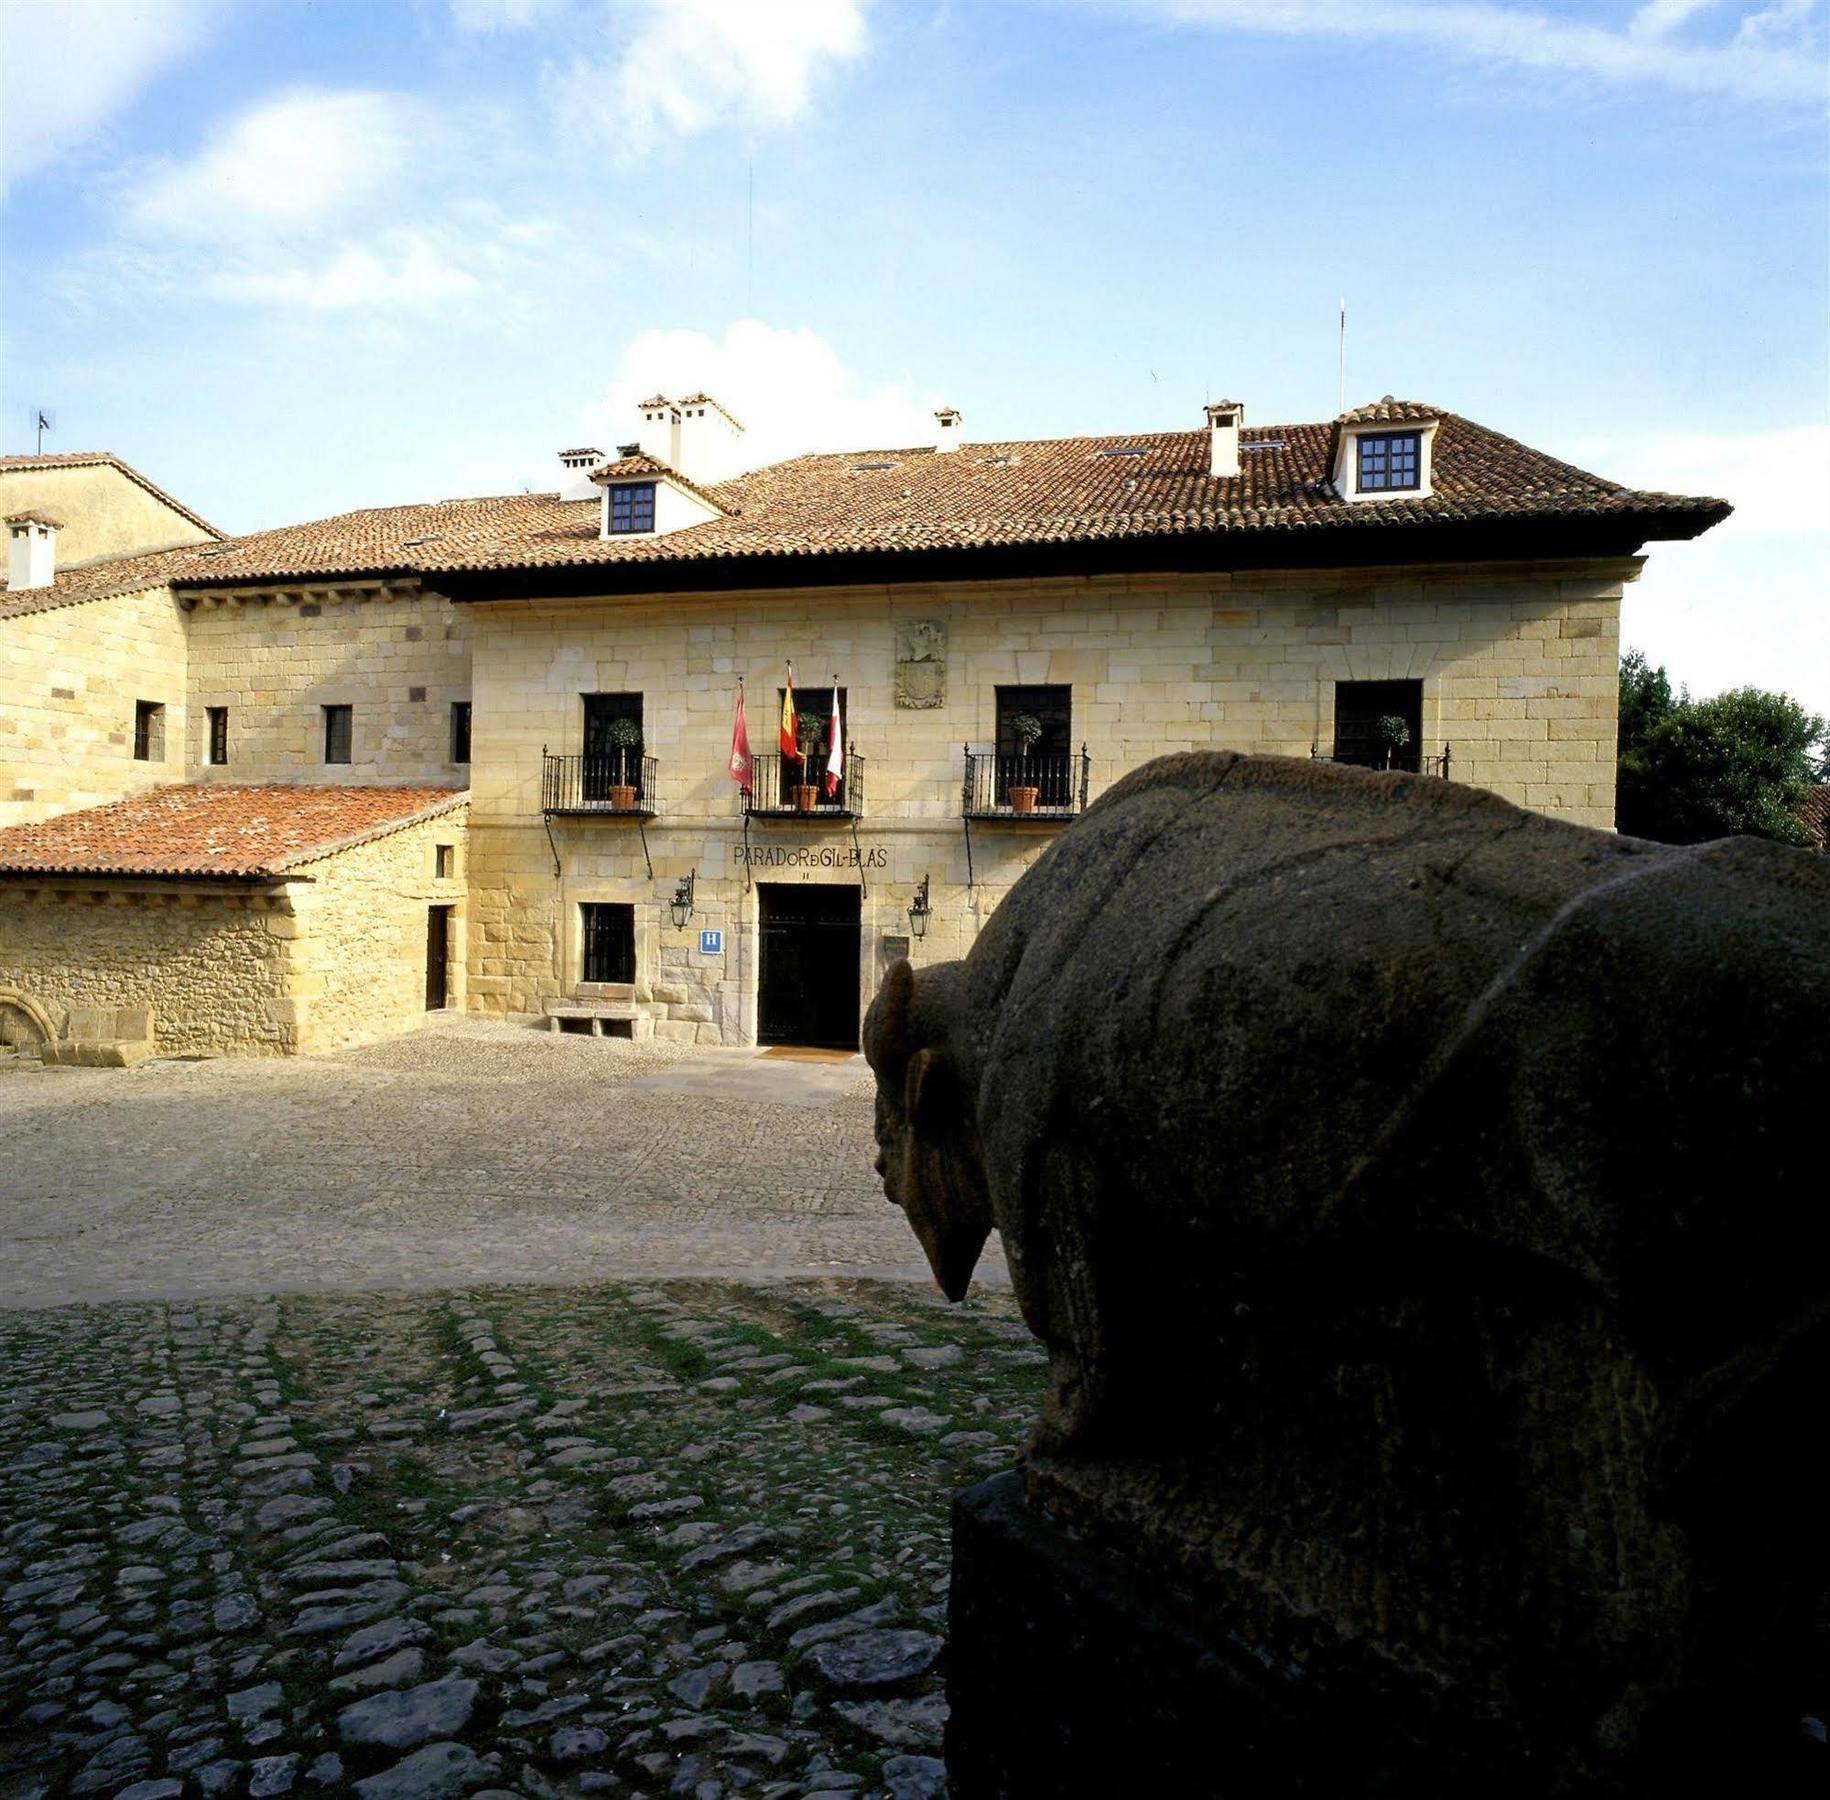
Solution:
(776, 789)
(1408, 759)
(1042, 789)
(621, 784)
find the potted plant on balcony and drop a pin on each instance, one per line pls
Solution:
(625, 735)
(1026, 729)
(809, 729)
(1389, 733)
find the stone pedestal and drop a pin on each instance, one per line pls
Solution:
(1072, 1674)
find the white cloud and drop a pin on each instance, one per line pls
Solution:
(68, 66)
(297, 160)
(692, 65)
(789, 387)
(402, 274)
(1776, 479)
(1768, 58)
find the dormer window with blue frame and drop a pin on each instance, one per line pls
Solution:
(1389, 461)
(631, 507)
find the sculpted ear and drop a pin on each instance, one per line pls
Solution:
(886, 1024)
(929, 1092)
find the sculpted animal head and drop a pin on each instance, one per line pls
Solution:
(927, 1132)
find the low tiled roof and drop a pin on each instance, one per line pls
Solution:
(101, 580)
(1149, 488)
(83, 459)
(640, 463)
(236, 833)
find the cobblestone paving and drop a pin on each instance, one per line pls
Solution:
(653, 1539)
(466, 1152)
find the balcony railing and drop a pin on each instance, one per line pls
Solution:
(776, 781)
(621, 784)
(1408, 759)
(1003, 786)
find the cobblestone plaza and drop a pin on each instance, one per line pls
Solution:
(305, 1500)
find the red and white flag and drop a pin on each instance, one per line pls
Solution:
(740, 744)
(835, 752)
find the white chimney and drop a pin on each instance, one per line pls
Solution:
(708, 442)
(1224, 418)
(948, 428)
(575, 468)
(31, 550)
(660, 433)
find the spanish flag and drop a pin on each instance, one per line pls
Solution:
(790, 742)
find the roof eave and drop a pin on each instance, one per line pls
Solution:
(1515, 538)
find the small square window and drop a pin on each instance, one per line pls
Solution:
(632, 507)
(444, 861)
(460, 731)
(1389, 461)
(219, 733)
(337, 734)
(148, 731)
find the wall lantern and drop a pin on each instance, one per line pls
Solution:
(682, 907)
(919, 910)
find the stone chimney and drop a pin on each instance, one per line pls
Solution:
(31, 550)
(1224, 418)
(948, 424)
(575, 468)
(709, 445)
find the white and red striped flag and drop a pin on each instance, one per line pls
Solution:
(740, 744)
(835, 754)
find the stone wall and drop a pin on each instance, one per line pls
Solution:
(399, 660)
(211, 966)
(69, 678)
(100, 511)
(1518, 667)
(361, 920)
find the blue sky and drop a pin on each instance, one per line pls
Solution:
(292, 257)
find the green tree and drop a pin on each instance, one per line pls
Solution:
(1691, 770)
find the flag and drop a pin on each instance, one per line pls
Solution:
(790, 743)
(740, 745)
(835, 754)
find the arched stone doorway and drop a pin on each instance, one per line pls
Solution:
(26, 1031)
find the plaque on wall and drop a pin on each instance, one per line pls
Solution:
(921, 664)
(894, 948)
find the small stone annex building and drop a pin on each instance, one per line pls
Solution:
(1001, 630)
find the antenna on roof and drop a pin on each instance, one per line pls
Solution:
(1343, 405)
(41, 420)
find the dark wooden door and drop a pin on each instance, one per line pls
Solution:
(809, 971)
(438, 955)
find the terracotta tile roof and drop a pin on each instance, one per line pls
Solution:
(639, 462)
(84, 459)
(1391, 412)
(1062, 491)
(209, 830)
(101, 580)
(1815, 813)
(34, 515)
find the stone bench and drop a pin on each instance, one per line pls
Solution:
(601, 1018)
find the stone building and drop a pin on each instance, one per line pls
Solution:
(1006, 628)
(204, 920)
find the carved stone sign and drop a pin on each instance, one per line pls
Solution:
(921, 664)
(809, 856)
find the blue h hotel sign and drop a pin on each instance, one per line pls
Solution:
(711, 943)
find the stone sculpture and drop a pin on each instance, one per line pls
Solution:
(921, 664)
(1422, 1203)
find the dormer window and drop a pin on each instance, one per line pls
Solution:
(631, 507)
(1389, 462)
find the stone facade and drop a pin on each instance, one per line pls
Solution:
(332, 954)
(1518, 666)
(69, 680)
(101, 510)
(398, 658)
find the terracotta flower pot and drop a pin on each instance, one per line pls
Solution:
(622, 799)
(804, 797)
(1023, 799)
